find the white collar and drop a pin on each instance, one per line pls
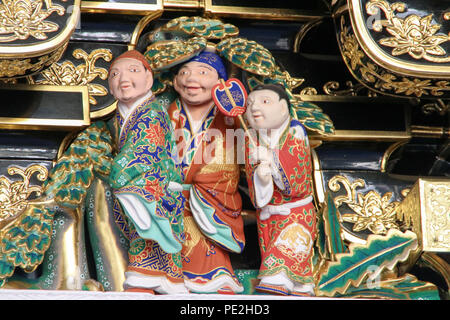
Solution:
(273, 138)
(126, 111)
(196, 124)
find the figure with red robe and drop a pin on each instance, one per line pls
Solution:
(279, 176)
(212, 214)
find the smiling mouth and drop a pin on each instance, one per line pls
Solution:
(125, 86)
(192, 88)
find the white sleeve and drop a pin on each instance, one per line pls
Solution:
(199, 214)
(263, 192)
(136, 210)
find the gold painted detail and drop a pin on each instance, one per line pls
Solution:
(426, 211)
(333, 88)
(414, 35)
(194, 236)
(67, 74)
(14, 194)
(21, 19)
(439, 106)
(382, 80)
(309, 91)
(437, 205)
(371, 211)
(20, 67)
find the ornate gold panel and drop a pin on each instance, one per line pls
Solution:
(426, 210)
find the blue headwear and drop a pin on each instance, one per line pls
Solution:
(214, 61)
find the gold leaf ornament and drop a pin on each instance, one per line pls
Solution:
(14, 194)
(371, 211)
(413, 35)
(21, 19)
(67, 74)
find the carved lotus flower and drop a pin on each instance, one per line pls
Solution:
(414, 35)
(21, 19)
(373, 212)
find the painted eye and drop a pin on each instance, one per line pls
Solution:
(266, 101)
(113, 74)
(203, 72)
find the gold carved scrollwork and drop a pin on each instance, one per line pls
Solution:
(14, 194)
(371, 211)
(438, 106)
(381, 80)
(21, 19)
(310, 91)
(332, 88)
(414, 35)
(67, 74)
(20, 67)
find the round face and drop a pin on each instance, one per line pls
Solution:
(265, 110)
(129, 80)
(194, 82)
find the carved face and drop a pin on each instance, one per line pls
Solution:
(265, 110)
(194, 83)
(129, 80)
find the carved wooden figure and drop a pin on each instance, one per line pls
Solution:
(278, 169)
(142, 175)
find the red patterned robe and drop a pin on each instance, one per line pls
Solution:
(286, 237)
(210, 183)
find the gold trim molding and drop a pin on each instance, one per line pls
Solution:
(185, 4)
(258, 13)
(121, 7)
